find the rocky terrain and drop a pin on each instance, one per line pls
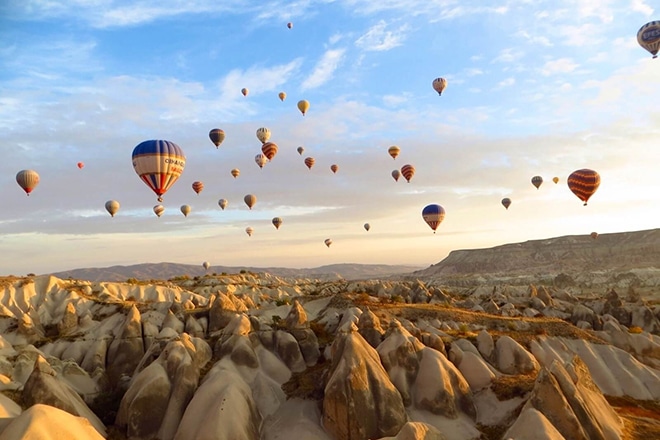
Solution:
(255, 356)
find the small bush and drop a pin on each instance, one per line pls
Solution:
(243, 271)
(282, 302)
(398, 299)
(132, 281)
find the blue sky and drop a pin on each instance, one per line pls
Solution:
(534, 88)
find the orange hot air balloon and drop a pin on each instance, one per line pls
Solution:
(537, 181)
(334, 168)
(394, 151)
(28, 180)
(249, 230)
(506, 202)
(555, 179)
(245, 91)
(594, 235)
(584, 183)
(197, 187)
(396, 174)
(327, 242)
(408, 171)
(269, 149)
(158, 210)
(250, 200)
(235, 172)
(439, 85)
(217, 136)
(81, 165)
(303, 106)
(309, 161)
(282, 96)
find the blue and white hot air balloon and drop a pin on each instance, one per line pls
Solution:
(433, 215)
(159, 164)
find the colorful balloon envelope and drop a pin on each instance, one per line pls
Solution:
(217, 136)
(112, 206)
(260, 160)
(537, 181)
(277, 222)
(408, 171)
(300, 150)
(159, 164)
(28, 180)
(367, 226)
(197, 187)
(506, 202)
(159, 210)
(250, 200)
(584, 183)
(223, 203)
(249, 231)
(648, 37)
(334, 168)
(594, 235)
(309, 161)
(263, 134)
(394, 151)
(282, 96)
(269, 149)
(185, 210)
(245, 91)
(81, 165)
(289, 25)
(303, 106)
(439, 85)
(327, 242)
(396, 174)
(235, 172)
(555, 179)
(433, 215)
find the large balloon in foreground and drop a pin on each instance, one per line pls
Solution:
(408, 171)
(245, 91)
(394, 151)
(327, 242)
(28, 180)
(263, 134)
(223, 203)
(81, 165)
(261, 160)
(506, 202)
(282, 96)
(439, 85)
(555, 179)
(433, 215)
(158, 210)
(112, 206)
(537, 181)
(235, 172)
(309, 161)
(197, 187)
(594, 235)
(250, 200)
(584, 183)
(206, 265)
(303, 106)
(269, 149)
(217, 136)
(277, 222)
(334, 168)
(300, 150)
(159, 164)
(367, 226)
(249, 231)
(185, 210)
(396, 174)
(648, 37)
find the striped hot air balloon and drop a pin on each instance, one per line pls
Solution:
(158, 210)
(408, 171)
(433, 215)
(263, 134)
(394, 151)
(327, 242)
(269, 149)
(235, 172)
(249, 230)
(439, 84)
(648, 37)
(260, 160)
(159, 164)
(309, 161)
(28, 180)
(584, 183)
(197, 186)
(217, 136)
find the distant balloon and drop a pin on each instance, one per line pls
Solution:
(594, 235)
(506, 202)
(28, 180)
(303, 106)
(185, 210)
(282, 96)
(439, 85)
(309, 161)
(250, 200)
(367, 226)
(584, 183)
(289, 25)
(206, 265)
(433, 215)
(245, 91)
(81, 165)
(334, 168)
(408, 171)
(263, 134)
(235, 172)
(197, 187)
(327, 242)
(396, 174)
(223, 203)
(277, 222)
(249, 231)
(555, 179)
(537, 181)
(300, 150)
(394, 151)
(158, 210)
(159, 164)
(648, 37)
(269, 149)
(261, 160)
(217, 136)
(112, 206)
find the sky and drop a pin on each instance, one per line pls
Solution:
(533, 88)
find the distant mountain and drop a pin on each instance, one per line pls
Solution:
(163, 271)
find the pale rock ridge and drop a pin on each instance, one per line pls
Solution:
(127, 348)
(44, 422)
(370, 328)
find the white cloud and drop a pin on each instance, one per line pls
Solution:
(324, 69)
(642, 6)
(257, 79)
(378, 38)
(506, 83)
(508, 55)
(541, 40)
(561, 65)
(473, 72)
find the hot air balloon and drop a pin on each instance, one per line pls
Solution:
(158, 210)
(439, 85)
(261, 160)
(594, 235)
(235, 172)
(217, 136)
(648, 37)
(245, 91)
(309, 161)
(277, 222)
(394, 151)
(506, 202)
(263, 134)
(269, 149)
(81, 165)
(249, 231)
(197, 187)
(327, 242)
(303, 106)
(433, 215)
(555, 179)
(159, 164)
(112, 206)
(367, 226)
(28, 180)
(408, 171)
(334, 168)
(223, 203)
(289, 25)
(250, 200)
(537, 181)
(396, 174)
(185, 210)
(206, 265)
(282, 96)
(584, 183)
(300, 150)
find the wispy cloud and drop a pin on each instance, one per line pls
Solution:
(508, 55)
(642, 6)
(324, 69)
(257, 79)
(561, 65)
(378, 38)
(506, 83)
